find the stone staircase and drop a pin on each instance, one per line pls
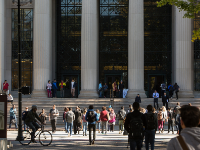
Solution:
(61, 103)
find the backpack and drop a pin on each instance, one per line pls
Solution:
(24, 116)
(176, 111)
(171, 116)
(160, 116)
(150, 122)
(171, 88)
(122, 115)
(136, 127)
(91, 116)
(163, 86)
(70, 117)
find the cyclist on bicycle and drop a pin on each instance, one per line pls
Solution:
(32, 122)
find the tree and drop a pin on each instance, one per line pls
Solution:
(191, 7)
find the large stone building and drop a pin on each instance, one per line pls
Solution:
(99, 40)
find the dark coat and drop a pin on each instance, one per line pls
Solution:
(121, 86)
(138, 99)
(165, 98)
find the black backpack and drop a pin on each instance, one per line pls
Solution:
(24, 116)
(150, 122)
(136, 127)
(91, 116)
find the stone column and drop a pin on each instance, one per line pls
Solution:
(136, 49)
(89, 49)
(42, 47)
(183, 53)
(2, 37)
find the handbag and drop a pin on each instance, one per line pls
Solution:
(182, 143)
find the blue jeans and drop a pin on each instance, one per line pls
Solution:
(100, 94)
(34, 126)
(11, 118)
(69, 126)
(85, 124)
(149, 139)
(98, 125)
(135, 143)
(66, 129)
(25, 126)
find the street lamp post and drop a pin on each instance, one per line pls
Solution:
(20, 136)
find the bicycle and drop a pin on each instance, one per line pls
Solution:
(45, 137)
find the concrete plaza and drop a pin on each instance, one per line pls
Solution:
(110, 141)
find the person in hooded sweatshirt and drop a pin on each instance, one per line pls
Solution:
(190, 134)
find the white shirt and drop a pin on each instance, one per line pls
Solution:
(72, 85)
(9, 97)
(156, 94)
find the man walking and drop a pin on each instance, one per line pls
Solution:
(53, 114)
(121, 88)
(155, 97)
(150, 128)
(69, 117)
(54, 88)
(73, 88)
(62, 86)
(91, 118)
(77, 121)
(165, 100)
(190, 135)
(13, 118)
(134, 124)
(171, 119)
(121, 116)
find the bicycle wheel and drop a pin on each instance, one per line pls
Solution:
(27, 137)
(45, 138)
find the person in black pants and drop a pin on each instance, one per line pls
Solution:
(121, 88)
(176, 89)
(165, 100)
(156, 96)
(77, 121)
(170, 120)
(91, 117)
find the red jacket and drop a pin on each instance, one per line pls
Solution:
(103, 115)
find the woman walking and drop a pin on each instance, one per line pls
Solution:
(85, 123)
(98, 120)
(49, 87)
(111, 122)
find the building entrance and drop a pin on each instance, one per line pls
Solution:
(155, 82)
(67, 80)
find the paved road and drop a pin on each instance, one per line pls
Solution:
(112, 141)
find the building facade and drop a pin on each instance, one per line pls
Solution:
(99, 40)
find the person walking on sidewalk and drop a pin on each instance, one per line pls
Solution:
(151, 127)
(160, 120)
(23, 116)
(77, 121)
(111, 122)
(155, 97)
(104, 117)
(91, 117)
(64, 120)
(53, 114)
(43, 117)
(69, 118)
(121, 116)
(85, 123)
(98, 121)
(134, 124)
(13, 118)
(171, 120)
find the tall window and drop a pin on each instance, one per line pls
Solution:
(69, 41)
(26, 47)
(157, 44)
(197, 55)
(113, 41)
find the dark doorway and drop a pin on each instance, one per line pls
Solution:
(155, 82)
(109, 80)
(67, 80)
